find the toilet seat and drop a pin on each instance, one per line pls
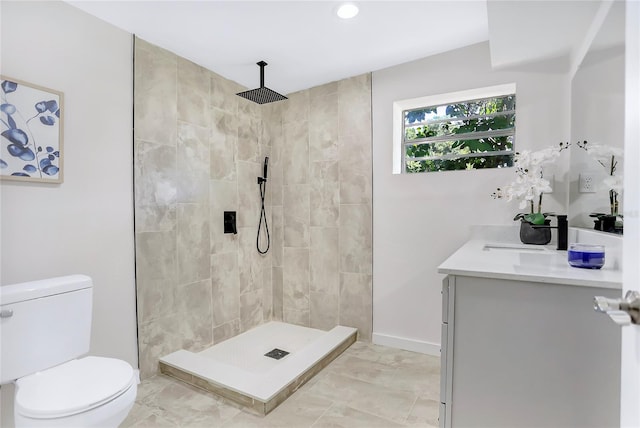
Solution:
(73, 387)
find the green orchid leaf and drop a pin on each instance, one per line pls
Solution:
(535, 218)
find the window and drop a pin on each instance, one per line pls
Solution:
(458, 131)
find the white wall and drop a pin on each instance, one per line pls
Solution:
(420, 219)
(84, 225)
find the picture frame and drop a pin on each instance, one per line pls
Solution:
(31, 132)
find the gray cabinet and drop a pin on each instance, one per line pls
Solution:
(527, 354)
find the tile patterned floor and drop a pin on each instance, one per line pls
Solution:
(367, 386)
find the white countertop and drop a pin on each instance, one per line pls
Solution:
(487, 258)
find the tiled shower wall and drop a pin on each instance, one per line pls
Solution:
(322, 216)
(198, 151)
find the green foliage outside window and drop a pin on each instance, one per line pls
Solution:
(469, 135)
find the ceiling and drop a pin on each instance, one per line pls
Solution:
(304, 42)
(522, 32)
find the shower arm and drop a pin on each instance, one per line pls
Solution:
(262, 65)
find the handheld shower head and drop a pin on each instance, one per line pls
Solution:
(265, 167)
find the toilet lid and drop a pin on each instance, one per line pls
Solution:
(72, 387)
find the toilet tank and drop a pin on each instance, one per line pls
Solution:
(43, 324)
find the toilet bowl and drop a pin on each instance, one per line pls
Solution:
(87, 392)
(44, 327)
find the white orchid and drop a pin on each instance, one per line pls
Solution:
(614, 182)
(606, 156)
(529, 184)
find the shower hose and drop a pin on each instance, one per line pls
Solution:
(263, 217)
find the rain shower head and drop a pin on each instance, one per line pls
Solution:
(262, 95)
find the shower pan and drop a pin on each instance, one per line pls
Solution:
(260, 368)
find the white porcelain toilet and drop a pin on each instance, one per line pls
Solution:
(45, 326)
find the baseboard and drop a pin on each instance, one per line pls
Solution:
(407, 344)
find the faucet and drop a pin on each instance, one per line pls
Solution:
(563, 231)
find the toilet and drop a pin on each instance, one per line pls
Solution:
(45, 327)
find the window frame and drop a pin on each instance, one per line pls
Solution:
(400, 107)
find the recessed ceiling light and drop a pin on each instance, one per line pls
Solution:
(347, 11)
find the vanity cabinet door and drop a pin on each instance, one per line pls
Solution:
(524, 354)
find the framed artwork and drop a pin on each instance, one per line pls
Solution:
(31, 125)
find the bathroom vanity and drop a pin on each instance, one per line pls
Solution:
(521, 343)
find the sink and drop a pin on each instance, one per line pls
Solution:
(518, 248)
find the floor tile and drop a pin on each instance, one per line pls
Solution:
(365, 396)
(424, 413)
(367, 386)
(341, 416)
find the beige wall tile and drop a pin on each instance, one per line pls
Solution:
(355, 90)
(249, 135)
(196, 315)
(277, 281)
(324, 171)
(250, 310)
(267, 289)
(156, 256)
(155, 74)
(225, 283)
(296, 108)
(323, 310)
(293, 316)
(223, 140)
(155, 172)
(193, 163)
(193, 244)
(157, 338)
(325, 203)
(249, 262)
(155, 218)
(223, 93)
(248, 194)
(274, 185)
(354, 107)
(277, 235)
(296, 279)
(223, 196)
(272, 123)
(356, 303)
(226, 331)
(323, 90)
(296, 215)
(193, 92)
(155, 298)
(324, 260)
(355, 170)
(295, 153)
(323, 128)
(355, 238)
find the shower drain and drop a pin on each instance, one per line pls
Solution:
(276, 354)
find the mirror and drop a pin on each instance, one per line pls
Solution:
(597, 116)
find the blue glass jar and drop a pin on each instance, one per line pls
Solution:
(586, 256)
